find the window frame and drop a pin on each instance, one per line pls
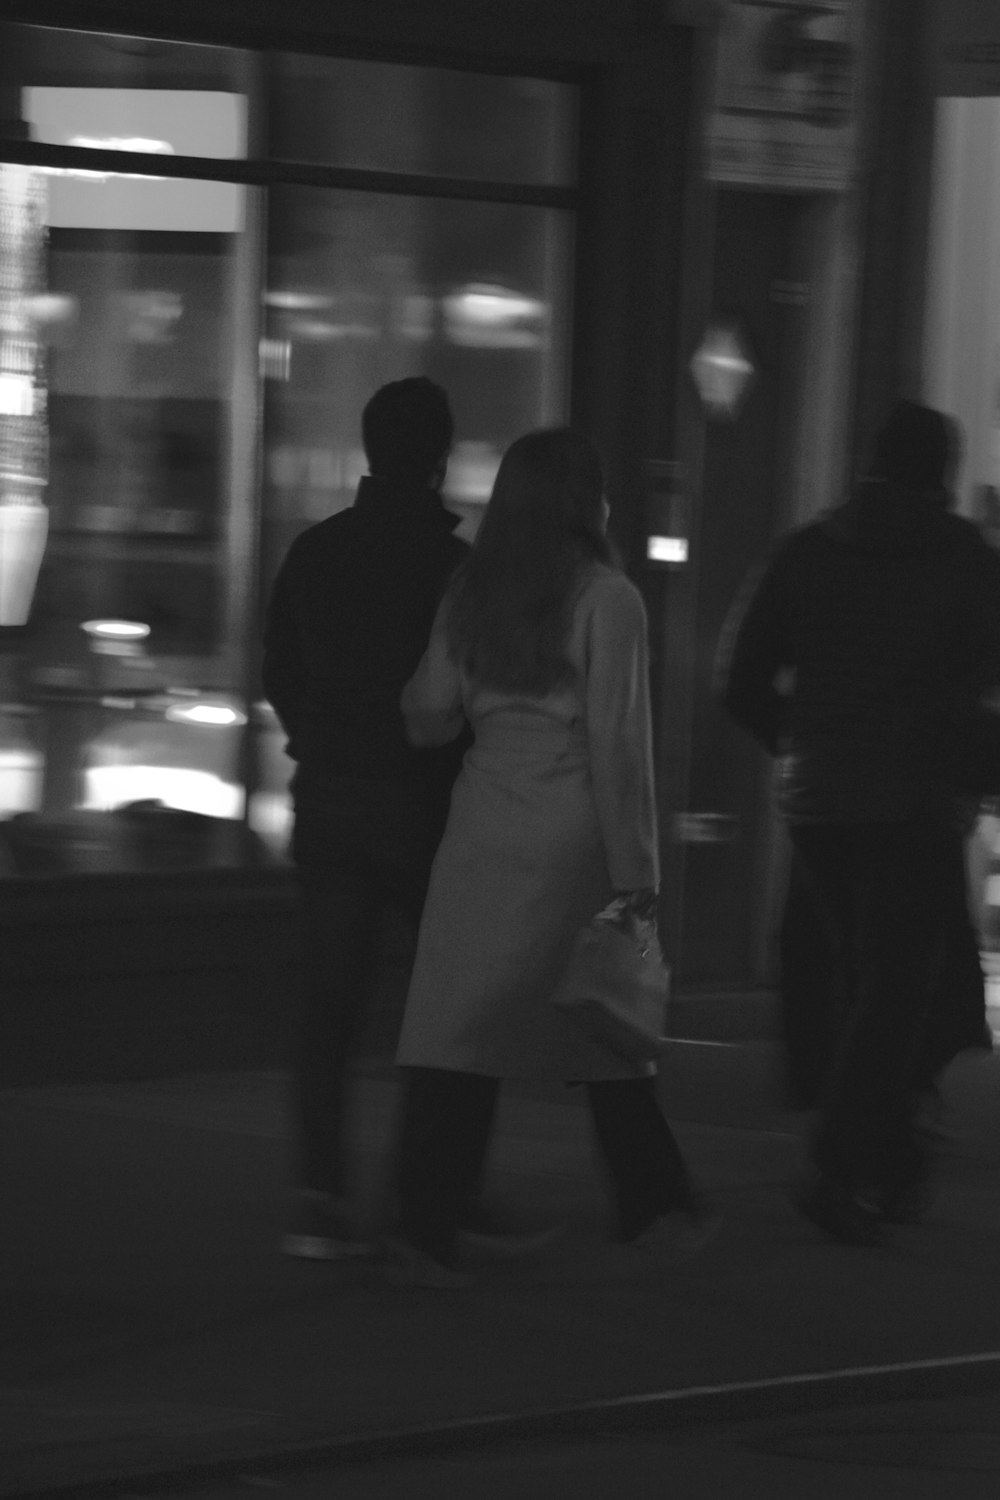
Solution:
(262, 171)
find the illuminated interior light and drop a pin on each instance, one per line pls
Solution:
(157, 122)
(298, 301)
(222, 715)
(52, 307)
(727, 363)
(137, 143)
(116, 630)
(21, 781)
(492, 306)
(146, 124)
(480, 315)
(667, 549)
(722, 369)
(107, 787)
(122, 143)
(17, 395)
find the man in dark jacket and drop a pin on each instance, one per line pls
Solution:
(867, 635)
(347, 622)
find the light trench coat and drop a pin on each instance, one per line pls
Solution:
(553, 811)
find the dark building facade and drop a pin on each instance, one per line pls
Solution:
(692, 228)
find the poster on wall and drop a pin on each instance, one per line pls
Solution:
(784, 112)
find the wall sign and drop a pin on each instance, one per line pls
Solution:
(784, 109)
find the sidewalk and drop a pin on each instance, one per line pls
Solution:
(151, 1327)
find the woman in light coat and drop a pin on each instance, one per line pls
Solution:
(540, 644)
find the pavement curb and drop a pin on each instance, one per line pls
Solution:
(655, 1411)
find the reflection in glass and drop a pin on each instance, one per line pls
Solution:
(134, 607)
(23, 394)
(153, 122)
(139, 335)
(91, 88)
(363, 289)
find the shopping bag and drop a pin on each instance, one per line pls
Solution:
(616, 985)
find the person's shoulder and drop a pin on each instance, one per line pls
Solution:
(312, 548)
(790, 550)
(325, 533)
(975, 560)
(605, 581)
(965, 535)
(608, 591)
(798, 541)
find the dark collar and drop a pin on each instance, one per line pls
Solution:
(880, 517)
(387, 498)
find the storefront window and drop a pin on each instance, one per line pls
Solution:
(183, 364)
(389, 118)
(363, 289)
(103, 71)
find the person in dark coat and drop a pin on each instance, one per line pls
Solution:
(347, 622)
(865, 637)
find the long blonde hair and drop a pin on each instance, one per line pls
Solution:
(511, 601)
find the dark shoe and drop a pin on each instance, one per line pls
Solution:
(491, 1236)
(407, 1265)
(322, 1228)
(669, 1240)
(677, 1236)
(844, 1216)
(907, 1205)
(508, 1244)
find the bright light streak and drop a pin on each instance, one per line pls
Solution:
(494, 306)
(107, 787)
(21, 773)
(122, 143)
(17, 395)
(219, 714)
(116, 630)
(481, 315)
(298, 301)
(667, 549)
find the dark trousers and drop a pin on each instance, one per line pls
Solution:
(893, 896)
(359, 847)
(817, 985)
(813, 989)
(447, 1122)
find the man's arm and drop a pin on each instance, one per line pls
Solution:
(752, 652)
(281, 669)
(431, 702)
(987, 615)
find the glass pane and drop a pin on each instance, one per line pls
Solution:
(123, 380)
(126, 93)
(364, 289)
(401, 119)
